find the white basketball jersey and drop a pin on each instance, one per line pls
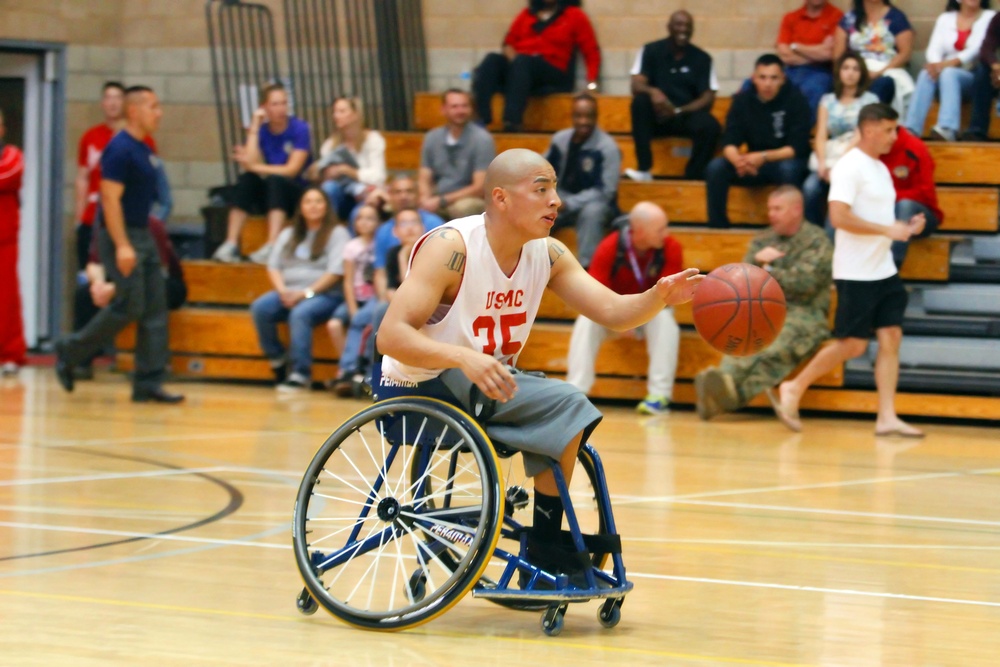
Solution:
(492, 313)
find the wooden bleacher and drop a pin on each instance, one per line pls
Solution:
(956, 163)
(213, 337)
(551, 113)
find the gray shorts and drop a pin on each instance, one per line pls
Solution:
(542, 418)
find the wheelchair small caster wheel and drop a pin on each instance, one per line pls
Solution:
(609, 614)
(552, 620)
(418, 586)
(305, 603)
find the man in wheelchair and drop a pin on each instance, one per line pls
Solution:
(462, 315)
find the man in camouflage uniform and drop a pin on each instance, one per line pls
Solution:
(800, 257)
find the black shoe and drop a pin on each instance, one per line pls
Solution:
(64, 369)
(280, 373)
(972, 136)
(158, 395)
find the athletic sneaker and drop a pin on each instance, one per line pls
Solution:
(261, 255)
(227, 253)
(296, 382)
(9, 369)
(654, 405)
(639, 176)
(942, 133)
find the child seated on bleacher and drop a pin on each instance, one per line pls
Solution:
(359, 293)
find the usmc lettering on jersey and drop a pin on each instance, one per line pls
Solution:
(499, 300)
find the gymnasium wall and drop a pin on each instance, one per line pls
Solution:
(163, 43)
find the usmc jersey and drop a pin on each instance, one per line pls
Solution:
(492, 312)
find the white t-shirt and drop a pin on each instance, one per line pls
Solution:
(864, 184)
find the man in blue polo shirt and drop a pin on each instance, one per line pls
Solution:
(273, 161)
(130, 256)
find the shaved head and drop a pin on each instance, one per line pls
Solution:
(649, 225)
(511, 166)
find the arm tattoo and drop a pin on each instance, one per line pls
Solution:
(556, 250)
(440, 233)
(457, 262)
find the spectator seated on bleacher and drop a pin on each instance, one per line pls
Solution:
(836, 130)
(673, 88)
(360, 335)
(629, 261)
(773, 120)
(538, 58)
(587, 163)
(274, 159)
(951, 53)
(400, 195)
(883, 36)
(306, 268)
(912, 169)
(359, 295)
(805, 45)
(453, 161)
(352, 160)
(799, 257)
(985, 84)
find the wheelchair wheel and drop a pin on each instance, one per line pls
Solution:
(380, 548)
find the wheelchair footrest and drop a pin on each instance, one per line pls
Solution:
(564, 595)
(563, 556)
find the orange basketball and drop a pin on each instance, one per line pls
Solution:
(739, 309)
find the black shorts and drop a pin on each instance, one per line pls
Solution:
(863, 306)
(259, 196)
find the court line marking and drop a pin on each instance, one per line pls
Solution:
(416, 632)
(815, 589)
(810, 545)
(100, 477)
(148, 536)
(628, 499)
(836, 512)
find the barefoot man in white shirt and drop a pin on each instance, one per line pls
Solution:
(870, 295)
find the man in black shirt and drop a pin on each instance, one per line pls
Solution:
(773, 120)
(673, 88)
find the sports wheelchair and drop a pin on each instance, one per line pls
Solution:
(403, 511)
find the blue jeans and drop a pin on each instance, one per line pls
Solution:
(813, 81)
(343, 202)
(953, 85)
(884, 88)
(721, 174)
(906, 209)
(350, 359)
(983, 93)
(814, 193)
(302, 318)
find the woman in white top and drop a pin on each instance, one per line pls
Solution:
(951, 54)
(351, 160)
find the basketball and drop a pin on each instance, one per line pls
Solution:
(739, 309)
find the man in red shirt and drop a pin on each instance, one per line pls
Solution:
(539, 52)
(630, 261)
(912, 169)
(12, 345)
(805, 44)
(88, 173)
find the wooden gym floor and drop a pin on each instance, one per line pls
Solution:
(146, 535)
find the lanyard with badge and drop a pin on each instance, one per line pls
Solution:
(640, 279)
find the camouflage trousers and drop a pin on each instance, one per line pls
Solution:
(799, 338)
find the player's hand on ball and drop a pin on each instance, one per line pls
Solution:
(678, 288)
(491, 376)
